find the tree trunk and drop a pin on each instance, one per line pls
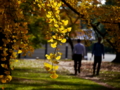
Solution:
(117, 58)
(7, 61)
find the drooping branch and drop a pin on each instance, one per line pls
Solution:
(70, 7)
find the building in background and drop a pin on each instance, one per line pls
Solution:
(65, 48)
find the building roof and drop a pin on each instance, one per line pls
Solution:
(86, 34)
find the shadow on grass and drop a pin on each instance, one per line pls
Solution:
(37, 79)
(55, 85)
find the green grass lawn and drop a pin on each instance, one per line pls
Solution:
(111, 77)
(30, 75)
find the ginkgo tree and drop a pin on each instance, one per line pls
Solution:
(96, 14)
(14, 32)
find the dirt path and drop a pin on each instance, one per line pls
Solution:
(86, 71)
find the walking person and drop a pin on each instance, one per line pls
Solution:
(98, 52)
(78, 52)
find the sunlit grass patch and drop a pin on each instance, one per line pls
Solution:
(31, 75)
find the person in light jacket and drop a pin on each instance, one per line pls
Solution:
(78, 53)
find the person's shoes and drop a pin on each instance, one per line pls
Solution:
(93, 74)
(97, 74)
(78, 71)
(75, 73)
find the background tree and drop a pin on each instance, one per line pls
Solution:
(37, 24)
(91, 11)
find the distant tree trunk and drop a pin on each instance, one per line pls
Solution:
(117, 58)
(71, 44)
(19, 55)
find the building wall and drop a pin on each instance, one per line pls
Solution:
(40, 53)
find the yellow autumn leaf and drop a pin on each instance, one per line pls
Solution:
(47, 66)
(57, 11)
(63, 40)
(54, 36)
(53, 45)
(54, 76)
(19, 51)
(14, 54)
(4, 54)
(14, 40)
(48, 56)
(58, 57)
(0, 48)
(3, 80)
(54, 4)
(52, 72)
(61, 28)
(59, 53)
(57, 8)
(55, 62)
(59, 4)
(19, 2)
(3, 88)
(9, 77)
(64, 31)
(65, 22)
(3, 59)
(48, 16)
(56, 25)
(39, 5)
(52, 56)
(16, 60)
(36, 0)
(6, 49)
(55, 67)
(12, 68)
(69, 29)
(4, 66)
(51, 40)
(7, 72)
(1, 76)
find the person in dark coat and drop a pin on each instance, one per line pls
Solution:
(98, 52)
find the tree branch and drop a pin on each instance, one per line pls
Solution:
(75, 11)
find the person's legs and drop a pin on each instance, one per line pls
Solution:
(99, 64)
(75, 64)
(94, 64)
(79, 62)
